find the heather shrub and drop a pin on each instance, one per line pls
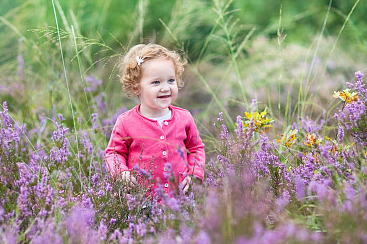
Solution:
(300, 187)
(290, 168)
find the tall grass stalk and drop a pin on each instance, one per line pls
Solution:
(224, 23)
(82, 81)
(338, 36)
(15, 29)
(141, 20)
(280, 39)
(67, 86)
(103, 15)
(307, 85)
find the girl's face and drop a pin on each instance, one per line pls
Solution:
(158, 87)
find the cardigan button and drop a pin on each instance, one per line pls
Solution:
(165, 122)
(162, 137)
(164, 153)
(166, 185)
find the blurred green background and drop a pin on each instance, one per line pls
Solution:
(290, 55)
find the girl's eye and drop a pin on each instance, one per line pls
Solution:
(155, 82)
(172, 81)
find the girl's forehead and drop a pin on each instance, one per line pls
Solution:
(157, 62)
(158, 67)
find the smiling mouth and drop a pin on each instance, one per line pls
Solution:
(165, 96)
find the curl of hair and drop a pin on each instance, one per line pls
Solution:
(130, 71)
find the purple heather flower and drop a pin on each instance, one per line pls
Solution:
(94, 120)
(128, 233)
(85, 141)
(211, 208)
(116, 235)
(173, 204)
(107, 123)
(93, 83)
(6, 118)
(264, 141)
(102, 230)
(112, 221)
(195, 111)
(23, 201)
(224, 135)
(181, 153)
(282, 200)
(101, 105)
(253, 105)
(340, 134)
(359, 75)
(168, 167)
(25, 174)
(87, 202)
(141, 229)
(220, 118)
(49, 235)
(310, 126)
(59, 134)
(350, 192)
(1, 214)
(294, 126)
(131, 201)
(61, 117)
(202, 238)
(95, 179)
(10, 236)
(49, 195)
(300, 188)
(100, 193)
(321, 189)
(109, 187)
(79, 223)
(20, 66)
(142, 171)
(239, 129)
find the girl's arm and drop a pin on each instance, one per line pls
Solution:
(117, 149)
(196, 155)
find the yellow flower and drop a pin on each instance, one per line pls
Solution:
(289, 139)
(261, 122)
(311, 140)
(346, 96)
(334, 148)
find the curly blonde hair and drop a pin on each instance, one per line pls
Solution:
(130, 70)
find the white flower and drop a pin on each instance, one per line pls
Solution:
(139, 60)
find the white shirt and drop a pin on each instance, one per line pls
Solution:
(164, 117)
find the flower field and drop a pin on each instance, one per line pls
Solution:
(285, 125)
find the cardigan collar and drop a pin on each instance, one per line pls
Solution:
(172, 108)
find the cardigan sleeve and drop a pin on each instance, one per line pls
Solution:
(116, 153)
(196, 155)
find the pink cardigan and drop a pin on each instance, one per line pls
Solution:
(136, 139)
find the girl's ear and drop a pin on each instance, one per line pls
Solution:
(137, 93)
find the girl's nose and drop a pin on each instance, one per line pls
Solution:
(165, 87)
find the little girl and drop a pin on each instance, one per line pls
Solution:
(154, 134)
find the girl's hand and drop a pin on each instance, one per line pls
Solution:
(126, 176)
(185, 184)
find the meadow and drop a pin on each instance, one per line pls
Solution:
(277, 92)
